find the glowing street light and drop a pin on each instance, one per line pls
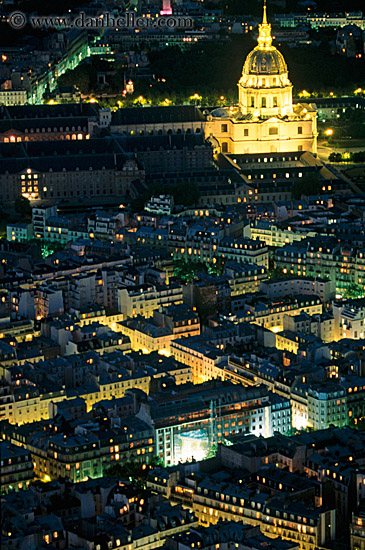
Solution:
(196, 97)
(304, 93)
(358, 91)
(329, 132)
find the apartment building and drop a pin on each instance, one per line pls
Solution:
(349, 319)
(144, 299)
(86, 451)
(16, 468)
(291, 286)
(177, 321)
(194, 420)
(327, 404)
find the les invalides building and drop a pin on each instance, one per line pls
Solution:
(265, 120)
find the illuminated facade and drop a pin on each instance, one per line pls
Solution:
(265, 119)
(190, 424)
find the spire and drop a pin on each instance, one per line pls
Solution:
(264, 19)
(265, 38)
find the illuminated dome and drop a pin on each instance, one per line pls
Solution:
(264, 88)
(264, 62)
(265, 119)
(265, 59)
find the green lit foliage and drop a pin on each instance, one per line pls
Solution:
(357, 424)
(353, 291)
(276, 273)
(187, 270)
(48, 247)
(47, 250)
(217, 267)
(133, 471)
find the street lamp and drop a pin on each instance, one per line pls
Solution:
(304, 93)
(329, 132)
(196, 97)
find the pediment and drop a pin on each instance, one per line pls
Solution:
(273, 119)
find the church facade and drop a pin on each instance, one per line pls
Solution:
(265, 120)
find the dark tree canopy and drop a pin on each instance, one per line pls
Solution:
(308, 185)
(22, 206)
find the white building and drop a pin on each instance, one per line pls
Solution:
(327, 404)
(350, 319)
(145, 299)
(277, 288)
(13, 97)
(160, 204)
(19, 232)
(40, 215)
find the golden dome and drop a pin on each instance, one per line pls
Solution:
(265, 59)
(265, 62)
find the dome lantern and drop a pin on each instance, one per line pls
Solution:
(265, 59)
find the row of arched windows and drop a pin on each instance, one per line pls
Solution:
(14, 139)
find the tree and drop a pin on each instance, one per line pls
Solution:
(188, 269)
(216, 267)
(135, 472)
(308, 185)
(335, 157)
(276, 273)
(358, 156)
(353, 291)
(186, 193)
(22, 206)
(83, 76)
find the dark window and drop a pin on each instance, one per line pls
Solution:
(224, 127)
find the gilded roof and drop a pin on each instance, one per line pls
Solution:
(265, 62)
(265, 59)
